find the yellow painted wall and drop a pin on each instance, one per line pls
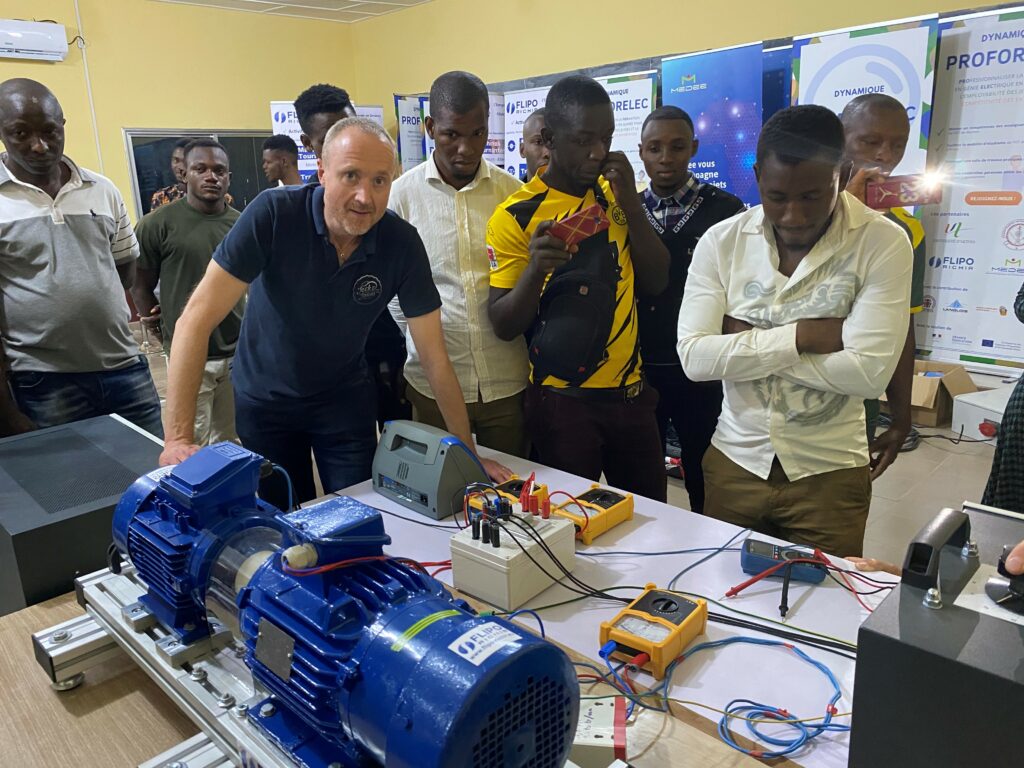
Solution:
(507, 39)
(158, 65)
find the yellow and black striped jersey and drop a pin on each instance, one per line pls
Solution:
(508, 249)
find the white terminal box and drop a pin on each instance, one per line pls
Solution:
(979, 414)
(505, 576)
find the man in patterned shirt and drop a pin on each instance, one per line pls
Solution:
(174, 191)
(588, 410)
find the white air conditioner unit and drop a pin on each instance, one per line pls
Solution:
(33, 40)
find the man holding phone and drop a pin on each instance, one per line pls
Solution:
(588, 410)
(877, 131)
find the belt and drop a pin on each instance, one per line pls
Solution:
(602, 394)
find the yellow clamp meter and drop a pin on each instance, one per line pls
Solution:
(510, 490)
(658, 623)
(605, 509)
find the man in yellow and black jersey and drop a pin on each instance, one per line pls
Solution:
(588, 409)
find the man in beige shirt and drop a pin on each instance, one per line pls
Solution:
(449, 199)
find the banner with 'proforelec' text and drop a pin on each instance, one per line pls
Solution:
(976, 235)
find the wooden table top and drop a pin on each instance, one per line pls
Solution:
(119, 717)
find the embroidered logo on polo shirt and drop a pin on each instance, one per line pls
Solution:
(492, 258)
(367, 289)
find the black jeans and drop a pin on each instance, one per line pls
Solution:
(338, 428)
(587, 437)
(693, 407)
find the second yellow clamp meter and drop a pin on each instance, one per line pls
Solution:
(658, 623)
(604, 510)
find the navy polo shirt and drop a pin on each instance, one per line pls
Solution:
(307, 318)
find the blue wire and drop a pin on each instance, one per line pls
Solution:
(723, 548)
(535, 615)
(805, 731)
(622, 683)
(291, 492)
(716, 550)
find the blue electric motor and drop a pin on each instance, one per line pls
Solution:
(367, 659)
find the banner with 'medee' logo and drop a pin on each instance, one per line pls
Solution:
(721, 91)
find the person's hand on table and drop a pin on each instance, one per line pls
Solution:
(499, 473)
(871, 564)
(15, 423)
(176, 451)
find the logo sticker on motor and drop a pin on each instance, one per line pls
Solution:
(482, 642)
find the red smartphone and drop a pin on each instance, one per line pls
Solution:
(580, 226)
(897, 191)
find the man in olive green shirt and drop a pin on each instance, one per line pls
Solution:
(176, 242)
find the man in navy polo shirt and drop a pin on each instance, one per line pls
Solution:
(320, 263)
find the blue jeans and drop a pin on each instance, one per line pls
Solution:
(339, 429)
(50, 399)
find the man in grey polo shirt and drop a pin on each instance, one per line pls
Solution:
(67, 254)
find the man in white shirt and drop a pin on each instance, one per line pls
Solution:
(800, 305)
(449, 199)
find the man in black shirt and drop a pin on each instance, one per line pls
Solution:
(320, 263)
(317, 109)
(680, 209)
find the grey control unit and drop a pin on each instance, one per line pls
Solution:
(424, 468)
(940, 663)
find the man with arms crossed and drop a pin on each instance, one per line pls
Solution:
(800, 306)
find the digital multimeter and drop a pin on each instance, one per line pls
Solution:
(758, 556)
(605, 509)
(658, 623)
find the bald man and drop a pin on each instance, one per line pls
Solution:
(877, 130)
(67, 254)
(321, 262)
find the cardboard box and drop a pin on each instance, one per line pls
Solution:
(931, 399)
(979, 414)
